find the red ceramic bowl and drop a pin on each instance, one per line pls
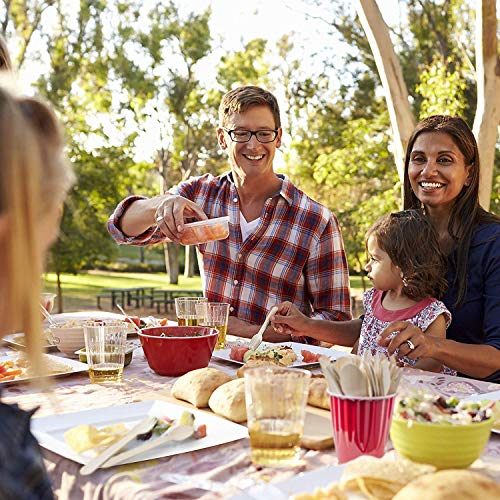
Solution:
(178, 351)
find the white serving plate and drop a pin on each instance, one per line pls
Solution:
(13, 341)
(493, 396)
(301, 483)
(331, 353)
(85, 315)
(49, 431)
(76, 367)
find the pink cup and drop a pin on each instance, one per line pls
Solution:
(360, 425)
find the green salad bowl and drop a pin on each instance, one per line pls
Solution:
(446, 446)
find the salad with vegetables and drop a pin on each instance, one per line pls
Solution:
(432, 408)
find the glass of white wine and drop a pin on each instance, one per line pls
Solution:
(185, 309)
(276, 401)
(105, 347)
(215, 315)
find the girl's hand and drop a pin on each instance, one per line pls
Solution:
(409, 339)
(289, 320)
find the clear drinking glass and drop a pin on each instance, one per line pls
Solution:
(47, 301)
(215, 315)
(185, 309)
(276, 401)
(105, 347)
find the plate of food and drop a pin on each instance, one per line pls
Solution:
(82, 435)
(363, 478)
(290, 354)
(17, 341)
(82, 318)
(16, 368)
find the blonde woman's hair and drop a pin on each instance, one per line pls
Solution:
(34, 179)
(5, 60)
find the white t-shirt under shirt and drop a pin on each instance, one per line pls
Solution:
(247, 228)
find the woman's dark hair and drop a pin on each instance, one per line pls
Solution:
(411, 242)
(466, 213)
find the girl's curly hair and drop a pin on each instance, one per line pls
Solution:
(411, 242)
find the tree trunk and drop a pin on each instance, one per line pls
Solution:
(189, 261)
(60, 307)
(141, 255)
(171, 251)
(488, 94)
(391, 75)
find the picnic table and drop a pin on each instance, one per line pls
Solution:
(125, 296)
(166, 298)
(228, 466)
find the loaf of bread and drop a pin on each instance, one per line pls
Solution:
(317, 393)
(197, 386)
(228, 401)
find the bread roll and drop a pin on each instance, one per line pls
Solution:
(317, 393)
(228, 401)
(197, 386)
(452, 484)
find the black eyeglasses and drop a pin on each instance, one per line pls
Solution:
(245, 135)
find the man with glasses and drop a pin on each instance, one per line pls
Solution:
(282, 245)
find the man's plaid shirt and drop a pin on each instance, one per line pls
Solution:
(295, 254)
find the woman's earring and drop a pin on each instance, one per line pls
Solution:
(405, 282)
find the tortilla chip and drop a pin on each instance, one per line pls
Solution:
(87, 437)
(331, 492)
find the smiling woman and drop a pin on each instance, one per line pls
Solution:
(442, 172)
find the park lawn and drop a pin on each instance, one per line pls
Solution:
(80, 290)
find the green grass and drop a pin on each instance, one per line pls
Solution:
(79, 291)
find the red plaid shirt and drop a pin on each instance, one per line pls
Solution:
(295, 254)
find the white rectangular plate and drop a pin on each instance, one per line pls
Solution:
(493, 396)
(50, 430)
(301, 483)
(76, 367)
(331, 353)
(15, 341)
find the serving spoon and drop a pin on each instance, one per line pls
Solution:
(128, 317)
(47, 316)
(256, 340)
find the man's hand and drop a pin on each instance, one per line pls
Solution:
(289, 320)
(240, 328)
(408, 336)
(171, 212)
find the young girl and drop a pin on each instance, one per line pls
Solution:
(34, 179)
(407, 270)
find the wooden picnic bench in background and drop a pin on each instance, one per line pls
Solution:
(166, 298)
(126, 296)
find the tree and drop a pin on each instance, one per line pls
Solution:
(77, 79)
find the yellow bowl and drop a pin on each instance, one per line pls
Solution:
(446, 446)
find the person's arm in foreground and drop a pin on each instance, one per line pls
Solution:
(289, 320)
(478, 361)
